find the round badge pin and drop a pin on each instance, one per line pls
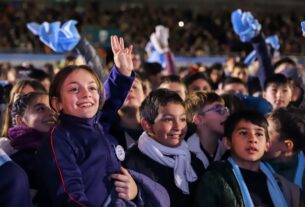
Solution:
(120, 152)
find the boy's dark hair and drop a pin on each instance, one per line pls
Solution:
(286, 60)
(252, 116)
(232, 80)
(156, 98)
(278, 79)
(189, 79)
(233, 102)
(290, 124)
(21, 104)
(151, 69)
(171, 79)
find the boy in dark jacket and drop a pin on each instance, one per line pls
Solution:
(243, 180)
(161, 153)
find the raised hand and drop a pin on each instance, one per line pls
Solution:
(125, 185)
(122, 55)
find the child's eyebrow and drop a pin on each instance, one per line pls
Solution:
(164, 115)
(245, 128)
(39, 104)
(75, 82)
(241, 128)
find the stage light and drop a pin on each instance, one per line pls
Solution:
(181, 24)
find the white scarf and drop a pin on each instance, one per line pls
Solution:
(194, 146)
(178, 158)
(275, 192)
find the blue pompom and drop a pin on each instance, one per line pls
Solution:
(245, 25)
(303, 26)
(59, 39)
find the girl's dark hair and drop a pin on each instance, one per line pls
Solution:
(62, 75)
(159, 97)
(252, 116)
(290, 124)
(22, 103)
(6, 119)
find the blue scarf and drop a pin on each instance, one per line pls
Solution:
(298, 177)
(274, 190)
(300, 170)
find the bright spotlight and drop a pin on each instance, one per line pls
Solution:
(181, 24)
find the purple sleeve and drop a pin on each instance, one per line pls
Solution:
(116, 87)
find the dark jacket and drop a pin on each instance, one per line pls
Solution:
(14, 186)
(126, 137)
(164, 175)
(75, 163)
(219, 187)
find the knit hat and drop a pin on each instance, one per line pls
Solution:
(256, 103)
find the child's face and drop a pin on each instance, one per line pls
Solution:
(277, 147)
(240, 73)
(278, 95)
(135, 95)
(176, 87)
(38, 115)
(170, 125)
(213, 119)
(248, 144)
(79, 95)
(199, 85)
(234, 88)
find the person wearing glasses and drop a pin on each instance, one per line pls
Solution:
(208, 112)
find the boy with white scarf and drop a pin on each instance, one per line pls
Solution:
(161, 153)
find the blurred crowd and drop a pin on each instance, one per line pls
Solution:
(199, 33)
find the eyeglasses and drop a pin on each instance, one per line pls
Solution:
(220, 109)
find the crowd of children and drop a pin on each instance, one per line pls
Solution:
(145, 135)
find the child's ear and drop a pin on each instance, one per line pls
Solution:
(56, 104)
(145, 125)
(19, 120)
(268, 144)
(196, 119)
(289, 145)
(264, 94)
(226, 142)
